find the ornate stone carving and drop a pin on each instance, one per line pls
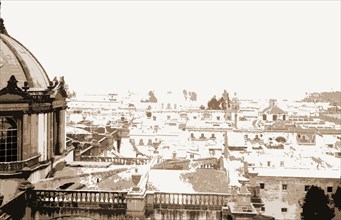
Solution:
(12, 88)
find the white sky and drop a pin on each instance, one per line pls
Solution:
(260, 49)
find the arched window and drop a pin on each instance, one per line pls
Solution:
(274, 117)
(284, 118)
(8, 140)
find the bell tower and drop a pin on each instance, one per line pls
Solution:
(235, 109)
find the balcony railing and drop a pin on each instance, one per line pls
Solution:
(79, 199)
(117, 160)
(19, 165)
(204, 201)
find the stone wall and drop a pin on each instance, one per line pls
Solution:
(275, 197)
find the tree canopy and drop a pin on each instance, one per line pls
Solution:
(151, 98)
(315, 205)
(337, 198)
(222, 103)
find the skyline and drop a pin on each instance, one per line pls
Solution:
(198, 46)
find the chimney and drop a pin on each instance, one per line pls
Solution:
(272, 103)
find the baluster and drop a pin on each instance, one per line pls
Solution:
(97, 197)
(171, 198)
(72, 196)
(46, 196)
(101, 199)
(120, 197)
(61, 197)
(162, 199)
(92, 197)
(54, 197)
(106, 195)
(89, 197)
(111, 198)
(78, 199)
(157, 197)
(123, 195)
(116, 198)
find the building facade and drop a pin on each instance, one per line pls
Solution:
(32, 110)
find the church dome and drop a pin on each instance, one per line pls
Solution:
(17, 60)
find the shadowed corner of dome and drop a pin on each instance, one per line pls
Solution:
(2, 27)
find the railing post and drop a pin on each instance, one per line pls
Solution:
(136, 198)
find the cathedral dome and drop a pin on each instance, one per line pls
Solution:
(17, 60)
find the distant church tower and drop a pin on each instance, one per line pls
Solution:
(235, 109)
(32, 110)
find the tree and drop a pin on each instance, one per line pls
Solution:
(223, 103)
(315, 205)
(193, 96)
(152, 98)
(226, 98)
(213, 104)
(337, 198)
(185, 94)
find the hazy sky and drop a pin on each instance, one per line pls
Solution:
(279, 49)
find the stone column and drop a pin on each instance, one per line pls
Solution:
(55, 120)
(26, 136)
(61, 128)
(226, 145)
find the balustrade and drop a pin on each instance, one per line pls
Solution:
(18, 165)
(208, 166)
(117, 160)
(79, 198)
(214, 201)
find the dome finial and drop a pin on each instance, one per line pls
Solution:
(2, 25)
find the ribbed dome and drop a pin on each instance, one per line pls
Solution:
(17, 60)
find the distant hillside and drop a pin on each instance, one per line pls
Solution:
(334, 98)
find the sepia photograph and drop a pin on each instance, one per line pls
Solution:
(170, 110)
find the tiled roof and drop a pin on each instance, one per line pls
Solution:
(273, 110)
